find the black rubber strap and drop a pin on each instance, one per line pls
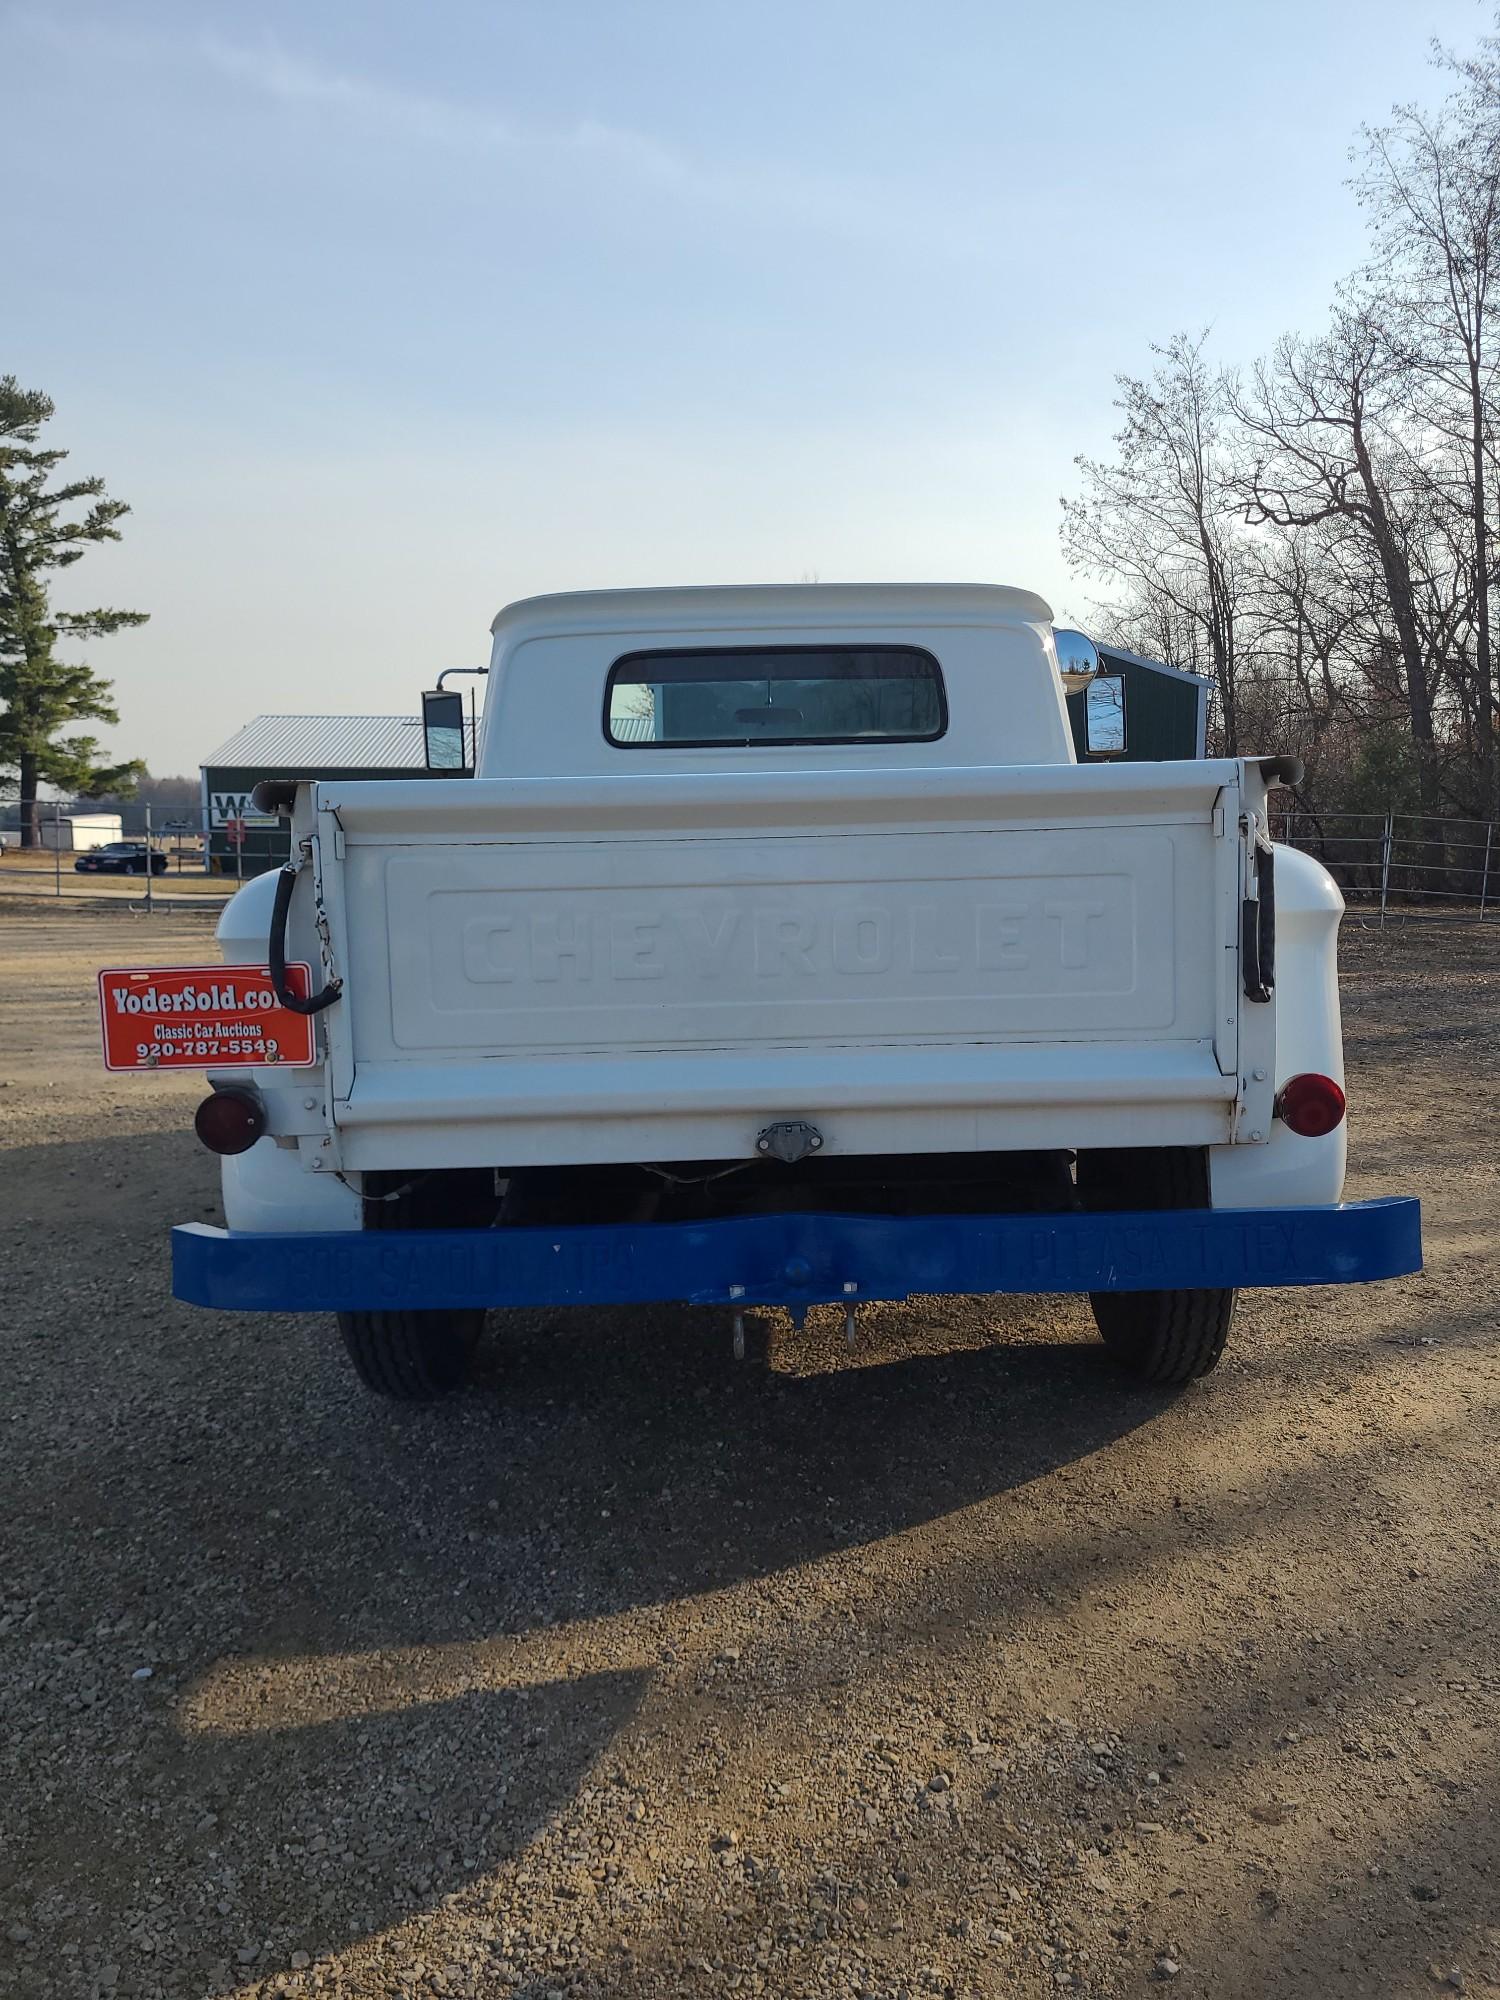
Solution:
(1265, 870)
(286, 881)
(1258, 927)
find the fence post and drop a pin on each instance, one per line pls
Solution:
(57, 847)
(1484, 880)
(150, 857)
(1385, 865)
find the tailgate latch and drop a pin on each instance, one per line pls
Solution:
(792, 1140)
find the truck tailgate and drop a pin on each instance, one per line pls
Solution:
(656, 968)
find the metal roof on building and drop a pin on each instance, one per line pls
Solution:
(333, 742)
(1156, 666)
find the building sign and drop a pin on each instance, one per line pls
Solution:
(226, 807)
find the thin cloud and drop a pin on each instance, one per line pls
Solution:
(766, 193)
(430, 121)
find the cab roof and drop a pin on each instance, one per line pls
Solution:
(771, 604)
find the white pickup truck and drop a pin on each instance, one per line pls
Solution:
(779, 951)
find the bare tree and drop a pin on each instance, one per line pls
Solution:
(1307, 611)
(1160, 520)
(1323, 537)
(1324, 445)
(1432, 185)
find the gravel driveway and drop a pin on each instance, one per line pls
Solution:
(952, 1666)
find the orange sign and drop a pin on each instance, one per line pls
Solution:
(202, 1017)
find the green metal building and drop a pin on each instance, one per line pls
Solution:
(295, 746)
(1166, 711)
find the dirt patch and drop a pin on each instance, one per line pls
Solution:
(952, 1666)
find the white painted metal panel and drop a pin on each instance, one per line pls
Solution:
(976, 959)
(545, 706)
(525, 1111)
(656, 945)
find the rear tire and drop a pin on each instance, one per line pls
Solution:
(416, 1357)
(1167, 1338)
(412, 1357)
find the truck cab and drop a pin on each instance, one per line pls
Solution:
(778, 950)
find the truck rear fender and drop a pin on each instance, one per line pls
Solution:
(266, 1189)
(269, 1188)
(1287, 1171)
(245, 921)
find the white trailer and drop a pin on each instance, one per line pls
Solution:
(77, 833)
(779, 950)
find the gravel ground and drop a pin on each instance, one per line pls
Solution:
(953, 1666)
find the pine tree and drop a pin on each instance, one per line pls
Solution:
(39, 693)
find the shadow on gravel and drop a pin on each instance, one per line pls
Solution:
(217, 1496)
(604, 1459)
(333, 1831)
(627, 1460)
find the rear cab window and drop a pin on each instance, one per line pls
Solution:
(743, 695)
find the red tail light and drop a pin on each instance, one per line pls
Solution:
(1311, 1105)
(229, 1121)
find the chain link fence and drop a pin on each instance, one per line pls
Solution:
(149, 857)
(1395, 866)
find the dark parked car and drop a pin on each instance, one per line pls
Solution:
(120, 857)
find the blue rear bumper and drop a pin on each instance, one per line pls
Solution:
(795, 1260)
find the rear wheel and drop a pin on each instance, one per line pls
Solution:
(412, 1357)
(1162, 1337)
(416, 1357)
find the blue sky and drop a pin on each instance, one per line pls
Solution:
(383, 314)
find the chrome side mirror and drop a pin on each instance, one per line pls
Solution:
(1077, 658)
(1104, 716)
